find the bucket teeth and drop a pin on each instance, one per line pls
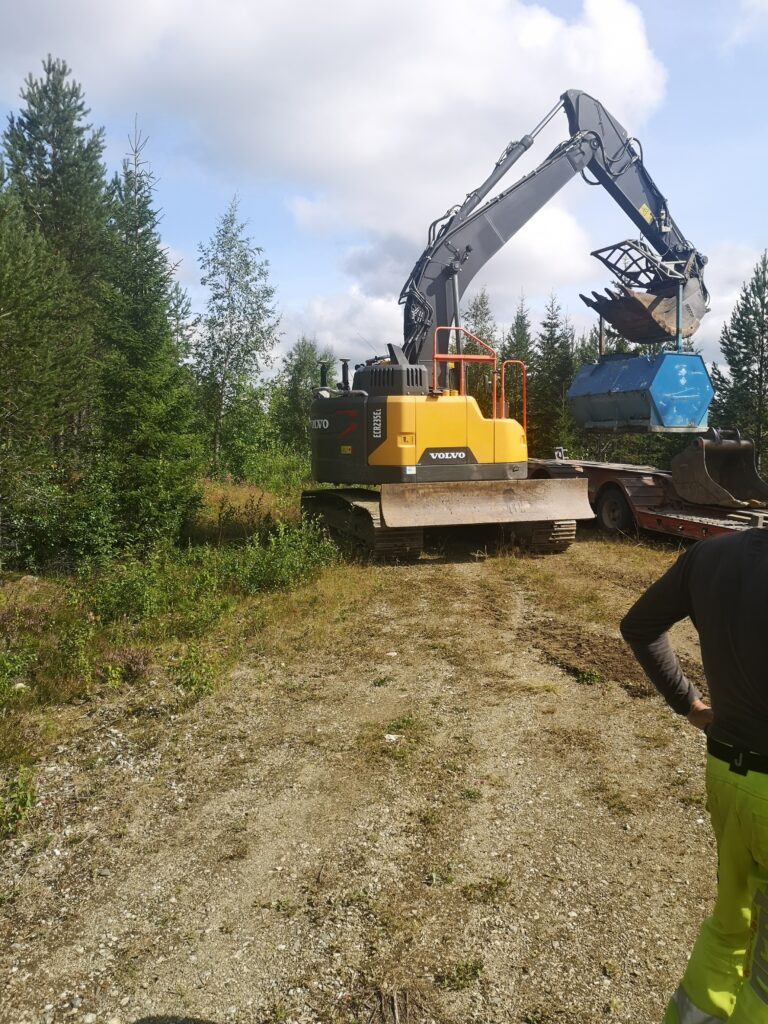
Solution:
(643, 317)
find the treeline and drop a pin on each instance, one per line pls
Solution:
(114, 398)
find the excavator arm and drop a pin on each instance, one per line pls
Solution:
(667, 270)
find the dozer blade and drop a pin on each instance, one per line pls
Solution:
(714, 471)
(474, 502)
(650, 316)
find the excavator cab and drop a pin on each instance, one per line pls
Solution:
(719, 469)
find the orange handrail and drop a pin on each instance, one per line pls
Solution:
(523, 375)
(462, 359)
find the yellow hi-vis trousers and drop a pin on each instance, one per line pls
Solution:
(727, 974)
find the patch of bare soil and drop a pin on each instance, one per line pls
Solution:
(427, 793)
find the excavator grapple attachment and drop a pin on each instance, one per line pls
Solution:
(719, 470)
(475, 502)
(650, 316)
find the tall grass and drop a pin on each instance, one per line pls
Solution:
(119, 621)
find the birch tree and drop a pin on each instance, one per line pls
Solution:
(239, 327)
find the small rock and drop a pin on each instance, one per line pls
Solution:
(392, 737)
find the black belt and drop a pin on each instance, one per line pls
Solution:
(741, 761)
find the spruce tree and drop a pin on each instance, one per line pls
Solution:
(517, 344)
(41, 367)
(743, 399)
(54, 165)
(53, 160)
(239, 327)
(587, 348)
(479, 320)
(553, 372)
(147, 418)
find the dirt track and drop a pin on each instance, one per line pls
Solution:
(435, 792)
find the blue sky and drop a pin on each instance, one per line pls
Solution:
(346, 128)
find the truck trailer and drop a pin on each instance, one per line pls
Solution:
(712, 487)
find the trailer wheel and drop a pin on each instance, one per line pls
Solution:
(613, 512)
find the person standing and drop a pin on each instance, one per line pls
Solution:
(721, 584)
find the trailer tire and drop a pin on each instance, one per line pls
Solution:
(613, 512)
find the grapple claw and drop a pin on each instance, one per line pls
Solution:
(643, 317)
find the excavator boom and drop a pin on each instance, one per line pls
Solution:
(657, 277)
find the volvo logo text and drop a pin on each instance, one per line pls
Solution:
(320, 424)
(448, 455)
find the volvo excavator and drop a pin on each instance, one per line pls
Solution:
(403, 442)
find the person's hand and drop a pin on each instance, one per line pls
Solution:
(700, 715)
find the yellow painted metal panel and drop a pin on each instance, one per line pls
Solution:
(401, 424)
(417, 422)
(511, 444)
(480, 439)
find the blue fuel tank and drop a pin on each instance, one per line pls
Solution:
(667, 392)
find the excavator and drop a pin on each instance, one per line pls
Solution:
(404, 443)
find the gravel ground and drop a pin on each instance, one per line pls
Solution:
(435, 792)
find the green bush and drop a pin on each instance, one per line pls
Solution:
(169, 592)
(289, 555)
(129, 589)
(193, 672)
(15, 662)
(195, 586)
(54, 521)
(280, 469)
(16, 801)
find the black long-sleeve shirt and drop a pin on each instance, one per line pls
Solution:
(722, 585)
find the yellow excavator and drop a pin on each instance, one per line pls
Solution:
(405, 444)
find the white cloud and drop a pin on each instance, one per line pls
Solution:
(373, 105)
(316, 215)
(375, 117)
(746, 18)
(352, 324)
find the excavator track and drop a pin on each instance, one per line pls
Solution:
(546, 538)
(354, 515)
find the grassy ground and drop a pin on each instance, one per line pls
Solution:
(435, 792)
(171, 619)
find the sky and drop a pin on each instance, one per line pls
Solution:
(347, 127)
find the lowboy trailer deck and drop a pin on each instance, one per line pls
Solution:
(625, 497)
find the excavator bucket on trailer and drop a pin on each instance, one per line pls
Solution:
(719, 469)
